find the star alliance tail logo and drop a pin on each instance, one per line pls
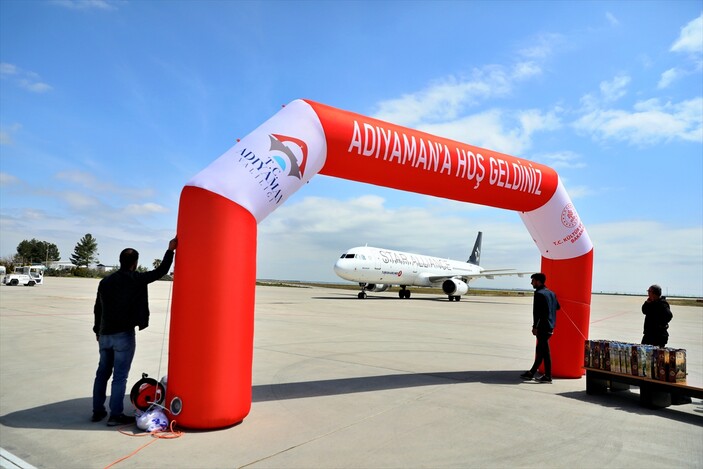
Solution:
(285, 157)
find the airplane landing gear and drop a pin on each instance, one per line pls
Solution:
(362, 294)
(403, 292)
(454, 298)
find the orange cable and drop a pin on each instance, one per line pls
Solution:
(169, 434)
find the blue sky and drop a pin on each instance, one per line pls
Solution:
(107, 108)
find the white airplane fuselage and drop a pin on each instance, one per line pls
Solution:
(377, 269)
(383, 266)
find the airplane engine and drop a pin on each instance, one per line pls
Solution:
(376, 287)
(454, 287)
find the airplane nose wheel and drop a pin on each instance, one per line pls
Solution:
(361, 295)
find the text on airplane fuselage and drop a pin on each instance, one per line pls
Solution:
(392, 257)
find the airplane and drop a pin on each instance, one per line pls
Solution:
(378, 269)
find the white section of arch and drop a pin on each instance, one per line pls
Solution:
(256, 175)
(556, 227)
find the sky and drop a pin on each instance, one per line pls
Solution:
(108, 108)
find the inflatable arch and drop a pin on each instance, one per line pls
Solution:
(212, 324)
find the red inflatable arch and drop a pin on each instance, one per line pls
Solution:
(212, 324)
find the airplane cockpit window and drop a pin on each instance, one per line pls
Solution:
(350, 256)
(343, 255)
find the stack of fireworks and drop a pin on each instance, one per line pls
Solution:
(662, 364)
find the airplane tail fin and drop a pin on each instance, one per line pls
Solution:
(475, 258)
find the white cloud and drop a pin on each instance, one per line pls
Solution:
(6, 134)
(562, 160)
(502, 131)
(66, 230)
(611, 19)
(614, 89)
(650, 122)
(524, 70)
(673, 259)
(80, 202)
(7, 179)
(34, 86)
(691, 37)
(86, 4)
(144, 209)
(446, 98)
(91, 182)
(668, 77)
(541, 46)
(27, 80)
(442, 107)
(8, 69)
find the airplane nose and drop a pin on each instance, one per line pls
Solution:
(337, 267)
(341, 268)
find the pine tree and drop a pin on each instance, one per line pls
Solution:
(86, 251)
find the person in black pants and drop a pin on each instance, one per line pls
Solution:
(544, 314)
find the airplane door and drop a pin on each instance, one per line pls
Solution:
(377, 262)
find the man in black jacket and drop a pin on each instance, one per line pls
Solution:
(544, 318)
(121, 305)
(657, 315)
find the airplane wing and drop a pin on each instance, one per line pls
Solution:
(489, 274)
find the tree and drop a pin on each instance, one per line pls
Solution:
(86, 251)
(37, 251)
(156, 263)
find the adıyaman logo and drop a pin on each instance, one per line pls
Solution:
(280, 161)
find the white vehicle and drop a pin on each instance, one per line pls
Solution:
(28, 275)
(3, 271)
(378, 269)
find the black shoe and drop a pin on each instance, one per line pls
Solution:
(544, 379)
(98, 415)
(120, 419)
(527, 375)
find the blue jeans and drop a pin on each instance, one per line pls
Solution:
(116, 353)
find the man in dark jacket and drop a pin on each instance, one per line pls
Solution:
(657, 315)
(121, 305)
(544, 318)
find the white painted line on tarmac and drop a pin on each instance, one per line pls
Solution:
(10, 461)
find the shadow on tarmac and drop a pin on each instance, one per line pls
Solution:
(441, 299)
(74, 414)
(331, 387)
(629, 401)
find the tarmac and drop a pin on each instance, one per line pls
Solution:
(346, 383)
